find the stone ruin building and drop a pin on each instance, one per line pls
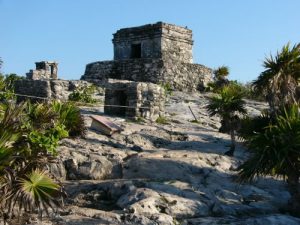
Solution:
(44, 70)
(43, 83)
(159, 53)
(145, 58)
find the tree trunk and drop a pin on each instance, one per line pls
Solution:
(294, 189)
(232, 146)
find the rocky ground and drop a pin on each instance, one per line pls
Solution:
(169, 174)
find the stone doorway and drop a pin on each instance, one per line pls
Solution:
(115, 99)
(136, 51)
(121, 100)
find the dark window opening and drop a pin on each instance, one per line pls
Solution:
(51, 70)
(136, 51)
(121, 100)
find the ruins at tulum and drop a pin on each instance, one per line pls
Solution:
(149, 112)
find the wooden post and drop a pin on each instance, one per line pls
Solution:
(193, 114)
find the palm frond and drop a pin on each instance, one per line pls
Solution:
(275, 148)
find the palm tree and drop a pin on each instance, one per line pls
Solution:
(275, 151)
(221, 72)
(227, 104)
(23, 183)
(280, 79)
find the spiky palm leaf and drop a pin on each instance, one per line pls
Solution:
(280, 79)
(252, 125)
(41, 116)
(30, 191)
(275, 149)
(221, 72)
(69, 115)
(7, 139)
(228, 102)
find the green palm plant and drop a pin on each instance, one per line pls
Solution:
(29, 191)
(251, 125)
(228, 103)
(275, 151)
(280, 79)
(22, 159)
(221, 72)
(69, 115)
(40, 116)
(220, 79)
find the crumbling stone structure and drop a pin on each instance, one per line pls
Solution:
(44, 84)
(157, 53)
(44, 70)
(134, 99)
(46, 89)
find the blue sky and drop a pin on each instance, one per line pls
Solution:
(236, 33)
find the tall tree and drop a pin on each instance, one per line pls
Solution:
(280, 79)
(228, 103)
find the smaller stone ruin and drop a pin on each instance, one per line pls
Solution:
(44, 84)
(44, 70)
(134, 99)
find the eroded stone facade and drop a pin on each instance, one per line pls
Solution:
(160, 40)
(157, 53)
(134, 99)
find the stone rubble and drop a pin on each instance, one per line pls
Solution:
(179, 176)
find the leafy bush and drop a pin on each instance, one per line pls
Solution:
(29, 136)
(167, 88)
(40, 116)
(69, 116)
(29, 191)
(48, 139)
(7, 83)
(83, 94)
(275, 151)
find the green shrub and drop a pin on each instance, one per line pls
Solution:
(83, 94)
(7, 86)
(40, 116)
(25, 148)
(167, 88)
(69, 115)
(161, 120)
(48, 139)
(274, 149)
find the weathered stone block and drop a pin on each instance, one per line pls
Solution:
(133, 99)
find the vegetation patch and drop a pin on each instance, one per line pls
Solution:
(28, 141)
(83, 94)
(162, 120)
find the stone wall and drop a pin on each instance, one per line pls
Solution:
(55, 89)
(176, 43)
(141, 99)
(159, 40)
(181, 76)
